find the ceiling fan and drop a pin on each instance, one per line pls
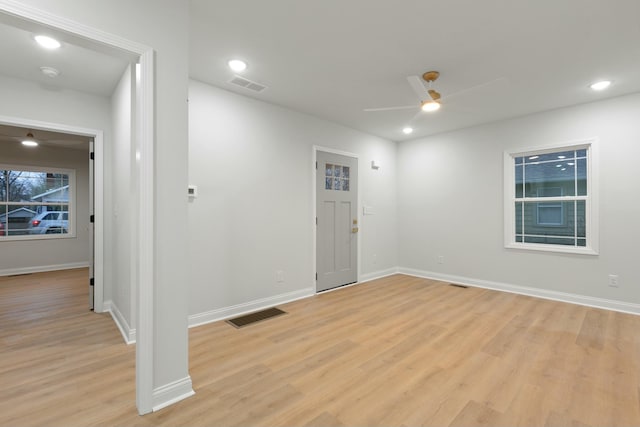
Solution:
(430, 99)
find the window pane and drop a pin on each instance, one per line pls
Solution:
(345, 185)
(561, 155)
(336, 183)
(582, 176)
(337, 171)
(18, 219)
(329, 170)
(581, 153)
(549, 219)
(345, 171)
(49, 221)
(3, 220)
(3, 184)
(541, 178)
(581, 230)
(519, 181)
(23, 185)
(328, 183)
(518, 217)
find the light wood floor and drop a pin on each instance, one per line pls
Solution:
(396, 351)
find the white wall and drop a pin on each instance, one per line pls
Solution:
(21, 256)
(27, 100)
(122, 209)
(252, 163)
(450, 200)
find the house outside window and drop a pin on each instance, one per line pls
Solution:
(36, 202)
(550, 199)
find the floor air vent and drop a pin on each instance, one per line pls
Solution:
(247, 84)
(258, 316)
(458, 286)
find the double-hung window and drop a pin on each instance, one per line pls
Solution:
(36, 202)
(550, 199)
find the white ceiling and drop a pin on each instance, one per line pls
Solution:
(15, 134)
(333, 58)
(83, 66)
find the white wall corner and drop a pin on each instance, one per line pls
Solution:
(621, 306)
(248, 307)
(43, 268)
(378, 274)
(128, 333)
(171, 393)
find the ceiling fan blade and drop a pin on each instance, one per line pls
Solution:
(418, 87)
(403, 107)
(469, 89)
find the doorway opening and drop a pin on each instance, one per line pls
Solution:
(49, 198)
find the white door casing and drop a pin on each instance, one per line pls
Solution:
(91, 227)
(337, 220)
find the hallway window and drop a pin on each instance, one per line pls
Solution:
(550, 199)
(36, 202)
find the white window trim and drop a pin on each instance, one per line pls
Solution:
(71, 232)
(591, 204)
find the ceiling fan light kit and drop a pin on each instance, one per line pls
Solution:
(430, 106)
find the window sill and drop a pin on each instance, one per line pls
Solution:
(27, 237)
(551, 248)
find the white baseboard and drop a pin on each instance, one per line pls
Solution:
(171, 393)
(128, 333)
(588, 301)
(378, 274)
(247, 307)
(42, 268)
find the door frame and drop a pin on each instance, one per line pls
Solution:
(145, 170)
(98, 191)
(314, 211)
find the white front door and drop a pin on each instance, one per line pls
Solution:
(337, 220)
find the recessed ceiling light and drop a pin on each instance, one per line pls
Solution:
(558, 166)
(237, 65)
(534, 157)
(600, 85)
(562, 157)
(407, 130)
(47, 42)
(430, 106)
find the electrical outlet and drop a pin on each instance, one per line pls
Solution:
(279, 276)
(613, 280)
(440, 259)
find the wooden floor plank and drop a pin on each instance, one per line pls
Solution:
(398, 351)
